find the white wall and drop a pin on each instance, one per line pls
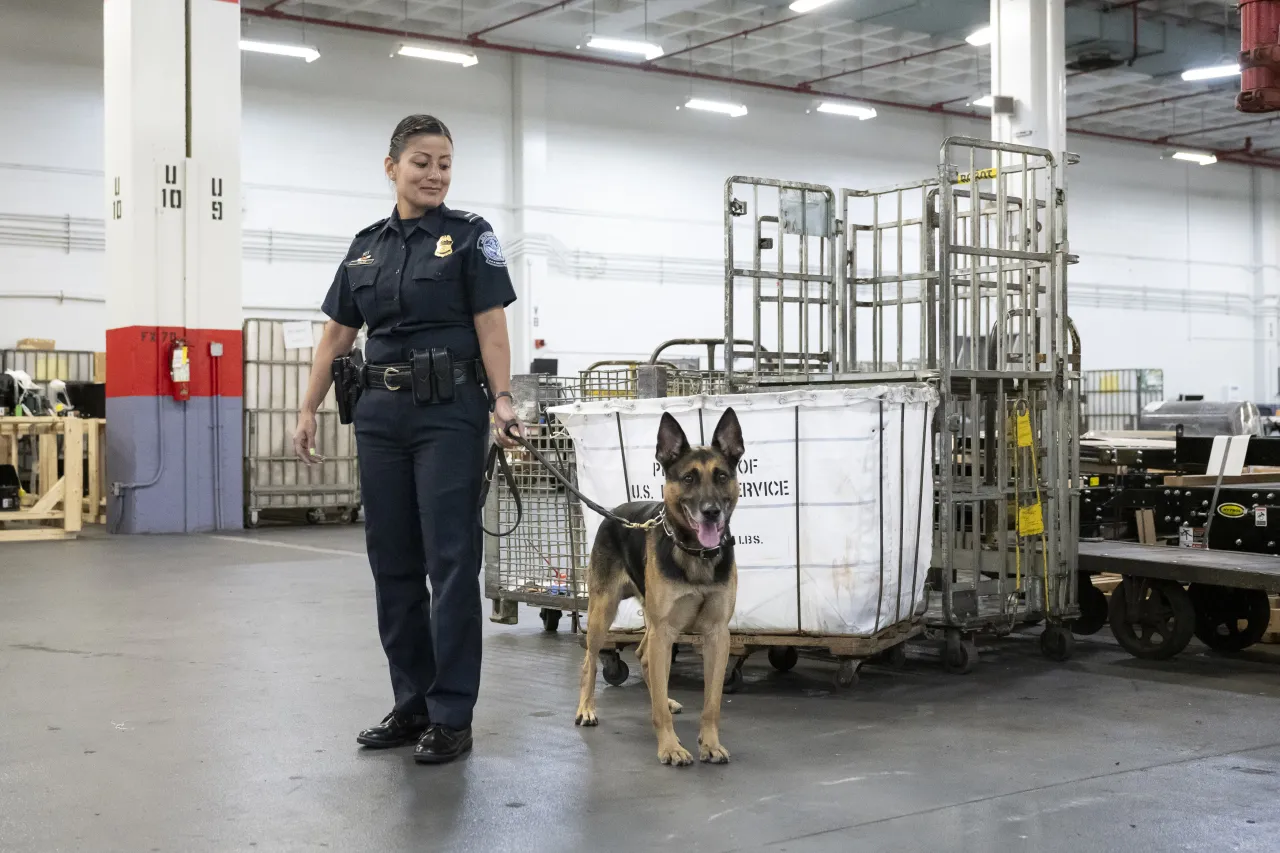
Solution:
(620, 245)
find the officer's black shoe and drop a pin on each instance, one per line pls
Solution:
(442, 744)
(396, 729)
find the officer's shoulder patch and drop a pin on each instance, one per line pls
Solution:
(491, 249)
(464, 215)
(374, 227)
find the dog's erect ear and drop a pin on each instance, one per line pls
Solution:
(671, 441)
(728, 438)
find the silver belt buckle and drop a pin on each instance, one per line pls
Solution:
(387, 373)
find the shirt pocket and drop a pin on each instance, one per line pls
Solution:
(363, 277)
(438, 293)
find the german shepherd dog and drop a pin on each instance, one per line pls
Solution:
(683, 572)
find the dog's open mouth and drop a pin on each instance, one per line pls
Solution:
(709, 532)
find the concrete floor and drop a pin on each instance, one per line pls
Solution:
(202, 693)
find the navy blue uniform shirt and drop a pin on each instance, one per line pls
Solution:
(418, 284)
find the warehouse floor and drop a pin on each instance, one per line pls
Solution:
(202, 693)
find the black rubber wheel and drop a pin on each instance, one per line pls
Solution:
(550, 620)
(1093, 608)
(959, 654)
(847, 674)
(783, 658)
(1229, 619)
(1163, 623)
(251, 519)
(616, 670)
(351, 515)
(315, 516)
(1057, 643)
(895, 657)
(733, 679)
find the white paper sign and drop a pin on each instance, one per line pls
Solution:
(298, 335)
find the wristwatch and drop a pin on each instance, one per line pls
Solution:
(493, 407)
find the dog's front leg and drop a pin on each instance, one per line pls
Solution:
(658, 642)
(715, 658)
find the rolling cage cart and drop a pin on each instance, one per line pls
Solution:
(1208, 557)
(278, 485)
(958, 281)
(543, 562)
(1114, 399)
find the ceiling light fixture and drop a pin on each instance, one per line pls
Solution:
(639, 48)
(722, 107)
(1200, 158)
(853, 110)
(466, 60)
(802, 6)
(987, 101)
(980, 38)
(1212, 72)
(301, 51)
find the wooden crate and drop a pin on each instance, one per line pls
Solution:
(54, 508)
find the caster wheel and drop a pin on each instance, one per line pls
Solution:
(959, 655)
(1229, 619)
(315, 516)
(1057, 643)
(1093, 608)
(895, 657)
(252, 519)
(550, 620)
(351, 516)
(783, 658)
(734, 680)
(847, 674)
(1152, 619)
(616, 670)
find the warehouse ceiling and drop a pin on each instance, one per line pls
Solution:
(1125, 59)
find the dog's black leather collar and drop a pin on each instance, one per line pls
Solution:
(701, 553)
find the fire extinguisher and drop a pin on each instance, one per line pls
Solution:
(180, 370)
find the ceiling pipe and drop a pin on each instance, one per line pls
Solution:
(526, 16)
(1208, 130)
(1168, 100)
(1226, 156)
(739, 34)
(888, 62)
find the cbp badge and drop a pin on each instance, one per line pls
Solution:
(362, 261)
(444, 246)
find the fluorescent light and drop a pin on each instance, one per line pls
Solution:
(640, 48)
(466, 60)
(980, 38)
(731, 110)
(854, 110)
(802, 6)
(1211, 72)
(310, 54)
(984, 101)
(1198, 157)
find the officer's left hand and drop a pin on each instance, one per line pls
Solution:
(504, 415)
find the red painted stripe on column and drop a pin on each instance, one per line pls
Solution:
(138, 359)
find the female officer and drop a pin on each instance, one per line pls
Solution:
(430, 284)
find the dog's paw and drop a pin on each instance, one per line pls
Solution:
(675, 706)
(586, 717)
(676, 756)
(713, 753)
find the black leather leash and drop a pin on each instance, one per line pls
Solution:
(498, 459)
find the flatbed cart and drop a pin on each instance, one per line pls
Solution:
(888, 646)
(1153, 616)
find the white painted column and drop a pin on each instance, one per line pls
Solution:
(1265, 198)
(529, 170)
(1028, 64)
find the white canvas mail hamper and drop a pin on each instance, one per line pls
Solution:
(834, 518)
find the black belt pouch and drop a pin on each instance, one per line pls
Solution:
(420, 377)
(442, 370)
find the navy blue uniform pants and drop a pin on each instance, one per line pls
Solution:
(421, 469)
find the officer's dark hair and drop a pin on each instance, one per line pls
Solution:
(415, 125)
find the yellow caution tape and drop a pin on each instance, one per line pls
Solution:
(980, 175)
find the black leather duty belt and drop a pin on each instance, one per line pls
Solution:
(396, 377)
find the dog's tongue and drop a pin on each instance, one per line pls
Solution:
(709, 534)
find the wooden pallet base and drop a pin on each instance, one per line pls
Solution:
(740, 645)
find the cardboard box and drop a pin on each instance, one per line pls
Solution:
(36, 344)
(100, 368)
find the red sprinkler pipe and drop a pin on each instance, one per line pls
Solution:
(1259, 56)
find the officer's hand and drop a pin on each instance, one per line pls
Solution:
(504, 415)
(304, 438)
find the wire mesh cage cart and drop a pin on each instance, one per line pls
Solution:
(277, 363)
(959, 281)
(1114, 399)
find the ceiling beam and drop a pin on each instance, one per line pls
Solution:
(884, 64)
(739, 34)
(554, 7)
(1169, 100)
